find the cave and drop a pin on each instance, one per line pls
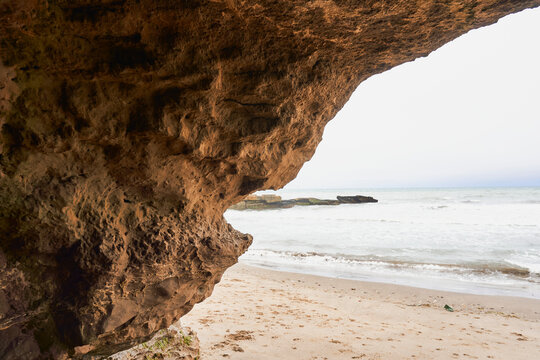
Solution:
(128, 127)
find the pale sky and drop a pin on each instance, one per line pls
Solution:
(466, 115)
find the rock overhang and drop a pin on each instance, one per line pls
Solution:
(128, 127)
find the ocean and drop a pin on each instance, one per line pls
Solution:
(477, 240)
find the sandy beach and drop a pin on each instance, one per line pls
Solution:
(262, 314)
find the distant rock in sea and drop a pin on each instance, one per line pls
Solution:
(357, 199)
(264, 202)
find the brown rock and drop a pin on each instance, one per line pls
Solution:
(173, 343)
(128, 127)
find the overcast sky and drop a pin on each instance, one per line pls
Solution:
(467, 115)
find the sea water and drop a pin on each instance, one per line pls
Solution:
(480, 240)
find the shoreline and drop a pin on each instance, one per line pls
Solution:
(268, 314)
(444, 285)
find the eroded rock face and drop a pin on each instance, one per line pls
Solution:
(128, 127)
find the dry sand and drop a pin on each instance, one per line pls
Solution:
(262, 314)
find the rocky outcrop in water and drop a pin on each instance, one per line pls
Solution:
(127, 127)
(265, 202)
(356, 199)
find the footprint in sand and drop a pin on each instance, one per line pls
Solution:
(520, 337)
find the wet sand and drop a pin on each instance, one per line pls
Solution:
(263, 314)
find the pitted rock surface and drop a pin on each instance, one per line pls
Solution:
(129, 126)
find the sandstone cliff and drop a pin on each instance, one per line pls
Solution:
(129, 126)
